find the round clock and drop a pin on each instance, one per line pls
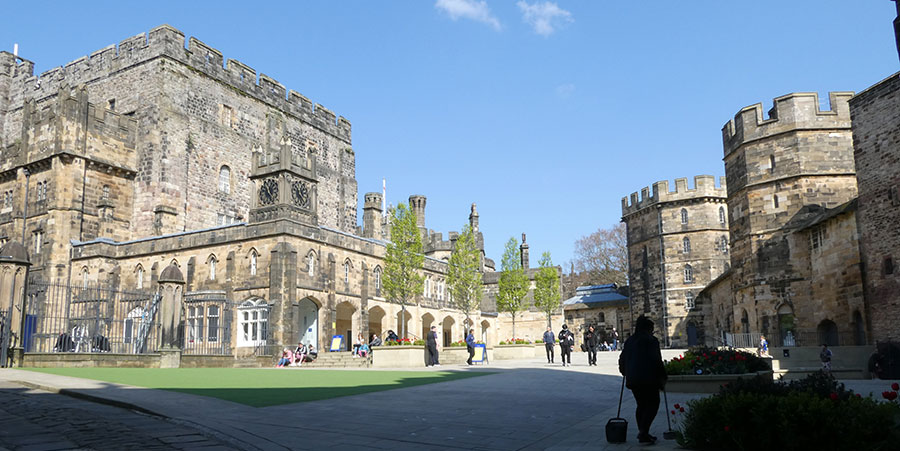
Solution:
(268, 192)
(300, 194)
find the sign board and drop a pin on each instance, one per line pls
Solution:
(336, 342)
(480, 354)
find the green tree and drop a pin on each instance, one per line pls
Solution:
(464, 276)
(546, 287)
(513, 284)
(403, 261)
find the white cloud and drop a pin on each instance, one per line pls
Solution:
(565, 90)
(545, 17)
(469, 9)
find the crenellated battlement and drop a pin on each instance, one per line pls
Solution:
(167, 41)
(796, 111)
(704, 186)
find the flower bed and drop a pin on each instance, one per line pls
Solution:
(403, 342)
(515, 341)
(398, 356)
(813, 413)
(513, 349)
(710, 361)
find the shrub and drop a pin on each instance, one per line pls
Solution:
(457, 344)
(706, 360)
(814, 413)
(419, 343)
(516, 341)
(539, 342)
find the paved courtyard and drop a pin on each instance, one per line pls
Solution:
(525, 405)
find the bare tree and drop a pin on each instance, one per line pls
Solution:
(604, 255)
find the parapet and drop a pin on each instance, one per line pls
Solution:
(704, 186)
(373, 200)
(796, 111)
(167, 41)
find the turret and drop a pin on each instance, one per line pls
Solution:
(372, 216)
(417, 205)
(523, 252)
(473, 219)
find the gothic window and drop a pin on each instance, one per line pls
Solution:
(722, 215)
(347, 271)
(378, 281)
(38, 237)
(724, 244)
(816, 238)
(311, 263)
(212, 323)
(42, 191)
(775, 200)
(7, 199)
(440, 293)
(195, 324)
(684, 216)
(84, 278)
(104, 195)
(139, 276)
(225, 180)
(771, 164)
(211, 261)
(688, 274)
(132, 324)
(253, 322)
(427, 292)
(686, 245)
(253, 262)
(689, 300)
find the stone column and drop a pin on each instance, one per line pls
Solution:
(14, 265)
(171, 286)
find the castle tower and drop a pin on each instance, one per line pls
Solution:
(372, 218)
(523, 252)
(7, 68)
(473, 218)
(677, 244)
(417, 205)
(782, 170)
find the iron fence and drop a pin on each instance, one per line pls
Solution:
(793, 339)
(89, 318)
(207, 324)
(4, 338)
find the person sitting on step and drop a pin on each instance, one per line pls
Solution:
(286, 357)
(300, 353)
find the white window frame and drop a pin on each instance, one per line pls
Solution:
(689, 301)
(225, 179)
(194, 324)
(252, 322)
(722, 216)
(140, 277)
(311, 263)
(684, 216)
(212, 323)
(212, 266)
(688, 273)
(254, 256)
(132, 324)
(347, 271)
(686, 245)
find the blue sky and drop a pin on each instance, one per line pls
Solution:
(544, 113)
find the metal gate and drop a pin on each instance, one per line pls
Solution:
(207, 323)
(4, 339)
(89, 318)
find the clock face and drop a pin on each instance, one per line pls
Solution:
(300, 194)
(268, 192)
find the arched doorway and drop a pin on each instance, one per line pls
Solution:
(786, 325)
(345, 312)
(692, 334)
(309, 322)
(859, 329)
(427, 322)
(447, 329)
(376, 319)
(745, 322)
(403, 323)
(485, 326)
(827, 332)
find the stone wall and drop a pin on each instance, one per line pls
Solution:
(876, 134)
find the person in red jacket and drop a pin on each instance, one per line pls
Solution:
(645, 375)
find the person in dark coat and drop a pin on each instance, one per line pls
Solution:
(590, 341)
(431, 344)
(641, 364)
(470, 345)
(548, 344)
(566, 343)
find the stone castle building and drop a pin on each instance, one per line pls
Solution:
(677, 244)
(149, 154)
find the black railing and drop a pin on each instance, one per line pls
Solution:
(207, 324)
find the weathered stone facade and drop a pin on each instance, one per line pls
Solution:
(147, 154)
(677, 244)
(783, 171)
(876, 140)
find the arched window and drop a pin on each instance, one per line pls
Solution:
(427, 292)
(253, 322)
(724, 244)
(722, 215)
(347, 271)
(84, 278)
(775, 200)
(684, 216)
(689, 300)
(771, 164)
(195, 324)
(688, 274)
(132, 325)
(253, 262)
(686, 245)
(105, 193)
(211, 261)
(139, 275)
(225, 179)
(378, 281)
(311, 263)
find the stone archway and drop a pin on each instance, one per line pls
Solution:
(308, 322)
(345, 323)
(376, 321)
(403, 323)
(827, 332)
(692, 334)
(485, 327)
(427, 322)
(447, 329)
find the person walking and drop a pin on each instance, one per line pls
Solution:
(590, 342)
(825, 357)
(548, 344)
(566, 343)
(470, 345)
(615, 338)
(763, 350)
(431, 344)
(641, 364)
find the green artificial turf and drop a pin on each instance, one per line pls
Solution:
(263, 387)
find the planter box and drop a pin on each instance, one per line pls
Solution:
(398, 356)
(514, 352)
(706, 383)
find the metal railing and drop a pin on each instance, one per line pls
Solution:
(793, 339)
(88, 318)
(207, 324)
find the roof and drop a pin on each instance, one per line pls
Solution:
(596, 296)
(14, 252)
(846, 207)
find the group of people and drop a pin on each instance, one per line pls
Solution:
(362, 349)
(431, 344)
(303, 353)
(591, 344)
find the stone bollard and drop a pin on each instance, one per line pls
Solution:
(171, 287)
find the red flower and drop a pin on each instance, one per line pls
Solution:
(858, 395)
(673, 412)
(834, 396)
(895, 386)
(677, 406)
(727, 428)
(681, 410)
(886, 395)
(892, 395)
